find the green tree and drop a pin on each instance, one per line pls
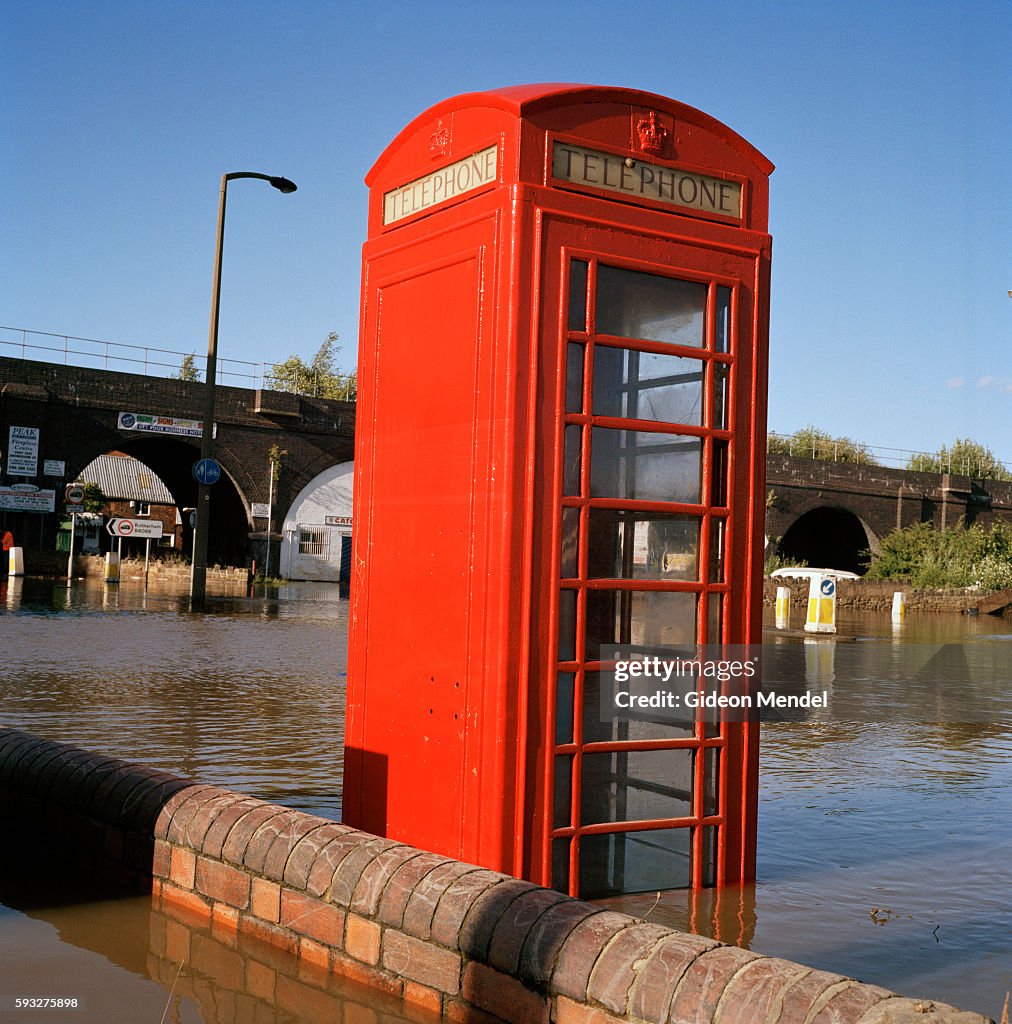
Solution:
(926, 557)
(275, 456)
(94, 499)
(320, 378)
(811, 443)
(187, 369)
(965, 457)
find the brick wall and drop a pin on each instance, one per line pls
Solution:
(462, 942)
(877, 596)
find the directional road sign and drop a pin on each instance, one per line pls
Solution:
(206, 471)
(147, 528)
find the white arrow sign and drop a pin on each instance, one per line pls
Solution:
(134, 527)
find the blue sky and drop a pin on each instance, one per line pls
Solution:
(888, 123)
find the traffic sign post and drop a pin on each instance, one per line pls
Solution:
(70, 557)
(74, 495)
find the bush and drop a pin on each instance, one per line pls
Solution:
(775, 560)
(994, 574)
(959, 557)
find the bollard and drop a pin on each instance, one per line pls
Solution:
(111, 567)
(899, 606)
(821, 605)
(16, 562)
(783, 607)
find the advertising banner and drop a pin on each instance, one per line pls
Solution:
(159, 424)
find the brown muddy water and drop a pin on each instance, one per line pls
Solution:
(885, 823)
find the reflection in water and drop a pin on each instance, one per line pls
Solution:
(127, 961)
(249, 696)
(884, 822)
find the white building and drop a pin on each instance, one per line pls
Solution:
(317, 530)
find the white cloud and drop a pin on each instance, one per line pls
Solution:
(986, 382)
(954, 383)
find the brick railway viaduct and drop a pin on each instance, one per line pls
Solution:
(827, 513)
(78, 410)
(823, 512)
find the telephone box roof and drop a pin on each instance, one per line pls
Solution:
(526, 100)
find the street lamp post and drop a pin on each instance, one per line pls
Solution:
(198, 573)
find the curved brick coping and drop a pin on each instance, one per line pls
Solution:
(466, 943)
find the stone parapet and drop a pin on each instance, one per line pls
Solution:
(453, 941)
(877, 596)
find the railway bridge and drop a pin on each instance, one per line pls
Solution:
(827, 513)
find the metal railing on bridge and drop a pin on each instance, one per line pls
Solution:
(828, 449)
(97, 354)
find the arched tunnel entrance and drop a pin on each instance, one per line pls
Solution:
(829, 538)
(172, 460)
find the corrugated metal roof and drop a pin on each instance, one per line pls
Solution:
(123, 478)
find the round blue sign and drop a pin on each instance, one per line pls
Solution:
(206, 471)
(828, 587)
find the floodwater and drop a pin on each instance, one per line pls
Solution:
(885, 823)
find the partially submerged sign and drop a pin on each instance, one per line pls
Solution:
(146, 528)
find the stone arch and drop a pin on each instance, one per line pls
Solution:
(829, 537)
(316, 541)
(171, 459)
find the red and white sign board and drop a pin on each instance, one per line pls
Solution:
(146, 528)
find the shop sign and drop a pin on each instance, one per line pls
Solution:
(14, 499)
(23, 451)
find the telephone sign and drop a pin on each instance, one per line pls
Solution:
(589, 267)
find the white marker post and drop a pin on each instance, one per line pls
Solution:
(783, 607)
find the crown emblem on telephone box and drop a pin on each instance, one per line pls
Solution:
(439, 140)
(651, 133)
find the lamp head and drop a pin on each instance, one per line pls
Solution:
(283, 185)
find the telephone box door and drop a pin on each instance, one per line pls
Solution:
(648, 441)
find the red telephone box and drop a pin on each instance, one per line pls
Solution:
(560, 448)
